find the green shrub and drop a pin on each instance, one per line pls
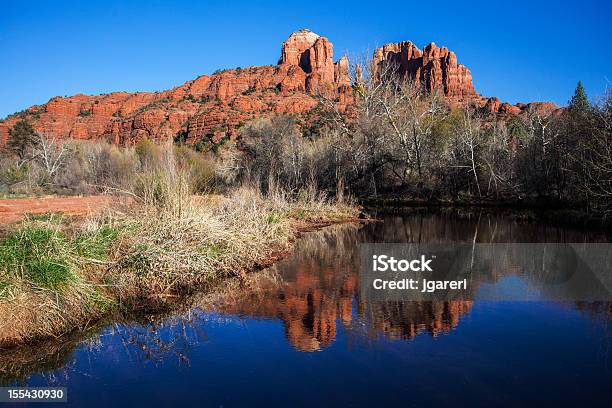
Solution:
(46, 257)
(95, 246)
(250, 90)
(201, 169)
(273, 218)
(38, 254)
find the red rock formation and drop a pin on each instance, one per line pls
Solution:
(541, 108)
(212, 106)
(314, 55)
(508, 109)
(435, 68)
(296, 49)
(4, 133)
(341, 72)
(492, 105)
(209, 106)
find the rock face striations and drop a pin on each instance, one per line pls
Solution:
(437, 70)
(314, 55)
(212, 107)
(434, 68)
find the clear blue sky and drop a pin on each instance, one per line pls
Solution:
(516, 50)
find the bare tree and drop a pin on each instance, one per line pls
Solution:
(411, 113)
(50, 154)
(593, 159)
(394, 120)
(544, 159)
(470, 137)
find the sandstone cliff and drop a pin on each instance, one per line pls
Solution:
(435, 68)
(211, 107)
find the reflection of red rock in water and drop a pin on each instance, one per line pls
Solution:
(310, 312)
(308, 306)
(320, 282)
(405, 320)
(318, 292)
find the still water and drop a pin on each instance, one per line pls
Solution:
(298, 334)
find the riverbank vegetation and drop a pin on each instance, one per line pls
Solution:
(58, 273)
(393, 141)
(401, 144)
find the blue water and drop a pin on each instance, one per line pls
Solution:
(308, 340)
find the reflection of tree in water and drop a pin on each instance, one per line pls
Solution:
(596, 310)
(17, 364)
(149, 339)
(469, 225)
(159, 341)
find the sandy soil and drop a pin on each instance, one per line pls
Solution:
(12, 210)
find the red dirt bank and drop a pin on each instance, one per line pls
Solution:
(14, 209)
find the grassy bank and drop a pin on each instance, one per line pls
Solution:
(58, 274)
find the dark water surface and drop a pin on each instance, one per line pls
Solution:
(298, 334)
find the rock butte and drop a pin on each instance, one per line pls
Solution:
(213, 106)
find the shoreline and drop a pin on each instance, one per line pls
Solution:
(133, 299)
(161, 303)
(525, 211)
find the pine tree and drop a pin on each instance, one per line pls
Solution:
(579, 102)
(21, 139)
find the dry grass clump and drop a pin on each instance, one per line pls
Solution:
(193, 241)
